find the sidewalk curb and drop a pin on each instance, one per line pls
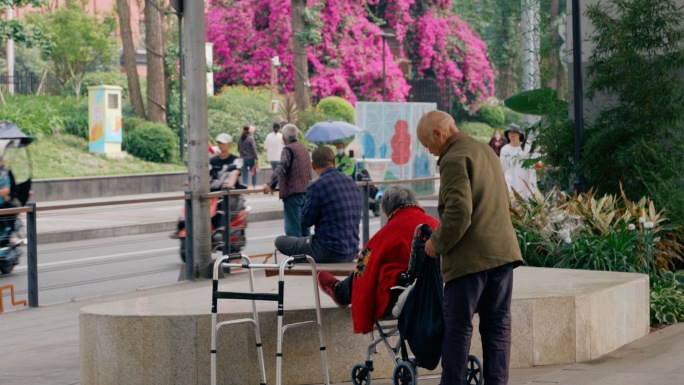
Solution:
(134, 229)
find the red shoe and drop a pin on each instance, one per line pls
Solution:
(327, 283)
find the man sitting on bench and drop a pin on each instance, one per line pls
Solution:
(333, 206)
(385, 255)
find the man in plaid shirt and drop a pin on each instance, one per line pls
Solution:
(333, 206)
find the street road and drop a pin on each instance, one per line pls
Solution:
(68, 271)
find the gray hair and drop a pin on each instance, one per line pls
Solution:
(290, 132)
(397, 196)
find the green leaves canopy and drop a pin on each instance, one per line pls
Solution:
(81, 42)
(542, 101)
(29, 34)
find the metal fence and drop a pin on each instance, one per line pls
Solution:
(28, 83)
(32, 211)
(427, 90)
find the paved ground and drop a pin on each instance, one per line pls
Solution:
(41, 346)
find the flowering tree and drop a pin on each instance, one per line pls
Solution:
(346, 58)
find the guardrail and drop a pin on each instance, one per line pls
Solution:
(31, 210)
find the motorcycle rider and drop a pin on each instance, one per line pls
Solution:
(224, 172)
(220, 164)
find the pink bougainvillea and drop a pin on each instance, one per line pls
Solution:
(347, 61)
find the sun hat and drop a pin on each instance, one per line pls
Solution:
(224, 138)
(515, 128)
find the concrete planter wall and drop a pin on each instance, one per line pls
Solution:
(58, 189)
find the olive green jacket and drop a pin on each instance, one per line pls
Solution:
(475, 232)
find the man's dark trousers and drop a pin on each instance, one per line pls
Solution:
(489, 294)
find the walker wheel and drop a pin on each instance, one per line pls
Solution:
(474, 371)
(404, 374)
(360, 375)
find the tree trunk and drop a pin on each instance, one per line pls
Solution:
(299, 60)
(156, 82)
(130, 63)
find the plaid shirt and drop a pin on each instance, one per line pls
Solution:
(333, 205)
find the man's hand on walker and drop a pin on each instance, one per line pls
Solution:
(267, 189)
(430, 249)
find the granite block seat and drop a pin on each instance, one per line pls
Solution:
(559, 316)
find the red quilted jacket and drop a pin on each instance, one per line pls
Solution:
(380, 262)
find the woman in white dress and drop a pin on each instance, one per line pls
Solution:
(522, 180)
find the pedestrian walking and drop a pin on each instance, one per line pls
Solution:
(248, 153)
(478, 246)
(274, 146)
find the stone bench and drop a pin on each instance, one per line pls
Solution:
(559, 316)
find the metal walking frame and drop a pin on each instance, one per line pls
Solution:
(288, 262)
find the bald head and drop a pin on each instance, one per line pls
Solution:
(434, 128)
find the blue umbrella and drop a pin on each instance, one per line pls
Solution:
(331, 131)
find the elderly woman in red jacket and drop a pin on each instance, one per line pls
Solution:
(385, 255)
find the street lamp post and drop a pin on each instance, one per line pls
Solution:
(578, 96)
(275, 63)
(384, 37)
(181, 128)
(178, 7)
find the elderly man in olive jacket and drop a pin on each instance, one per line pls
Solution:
(479, 250)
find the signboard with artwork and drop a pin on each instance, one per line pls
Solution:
(389, 141)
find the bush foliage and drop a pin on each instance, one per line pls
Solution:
(237, 106)
(128, 126)
(478, 130)
(40, 115)
(491, 114)
(636, 141)
(338, 108)
(153, 142)
(603, 232)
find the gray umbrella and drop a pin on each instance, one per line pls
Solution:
(331, 131)
(10, 131)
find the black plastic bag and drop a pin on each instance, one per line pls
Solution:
(420, 323)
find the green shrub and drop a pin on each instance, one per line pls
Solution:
(39, 115)
(480, 131)
(128, 126)
(667, 298)
(237, 106)
(338, 108)
(511, 116)
(635, 143)
(313, 115)
(153, 142)
(93, 79)
(595, 233)
(491, 115)
(76, 119)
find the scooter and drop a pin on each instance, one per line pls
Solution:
(239, 212)
(12, 139)
(9, 250)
